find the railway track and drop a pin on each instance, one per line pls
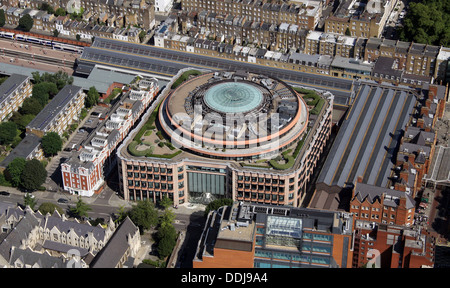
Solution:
(6, 52)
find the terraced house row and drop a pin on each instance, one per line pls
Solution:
(120, 13)
(316, 52)
(305, 14)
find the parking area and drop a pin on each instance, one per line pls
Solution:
(395, 20)
(85, 128)
(87, 125)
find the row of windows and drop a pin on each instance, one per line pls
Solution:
(152, 169)
(262, 179)
(291, 257)
(151, 195)
(305, 235)
(260, 196)
(262, 187)
(153, 176)
(156, 185)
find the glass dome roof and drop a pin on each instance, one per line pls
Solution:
(233, 97)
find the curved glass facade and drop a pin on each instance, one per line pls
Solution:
(233, 97)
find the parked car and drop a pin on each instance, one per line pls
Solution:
(62, 200)
(5, 193)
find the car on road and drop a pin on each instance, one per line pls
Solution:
(5, 193)
(62, 200)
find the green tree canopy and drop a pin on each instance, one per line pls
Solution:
(60, 78)
(21, 120)
(29, 200)
(427, 22)
(91, 97)
(31, 106)
(166, 238)
(48, 207)
(121, 214)
(165, 202)
(51, 144)
(33, 175)
(216, 204)
(80, 209)
(144, 215)
(2, 18)
(26, 22)
(44, 91)
(141, 36)
(167, 218)
(60, 12)
(13, 171)
(8, 131)
(46, 7)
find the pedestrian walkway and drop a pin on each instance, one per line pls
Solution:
(188, 208)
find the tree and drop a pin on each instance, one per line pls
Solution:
(29, 200)
(46, 7)
(60, 12)
(60, 78)
(166, 238)
(13, 171)
(31, 106)
(165, 202)
(167, 218)
(55, 33)
(347, 32)
(26, 22)
(48, 207)
(21, 120)
(141, 36)
(2, 18)
(44, 91)
(8, 130)
(216, 204)
(33, 175)
(78, 37)
(80, 209)
(50, 88)
(427, 22)
(24, 121)
(91, 97)
(51, 143)
(144, 215)
(121, 215)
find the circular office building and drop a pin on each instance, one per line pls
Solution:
(233, 115)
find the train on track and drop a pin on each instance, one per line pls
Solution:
(40, 41)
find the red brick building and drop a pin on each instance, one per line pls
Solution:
(382, 205)
(392, 246)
